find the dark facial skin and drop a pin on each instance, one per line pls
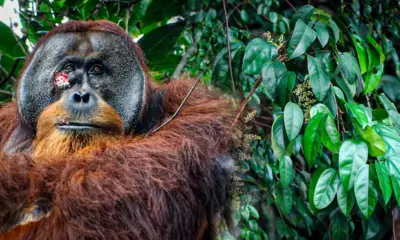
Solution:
(98, 65)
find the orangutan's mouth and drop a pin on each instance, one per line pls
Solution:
(79, 126)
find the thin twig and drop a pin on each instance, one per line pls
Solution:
(7, 73)
(127, 16)
(185, 57)
(229, 52)
(291, 5)
(394, 226)
(245, 101)
(18, 41)
(180, 106)
(5, 92)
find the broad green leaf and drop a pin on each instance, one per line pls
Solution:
(339, 94)
(361, 52)
(285, 87)
(375, 65)
(353, 155)
(375, 143)
(384, 180)
(244, 15)
(278, 131)
(253, 211)
(326, 188)
(348, 89)
(391, 138)
(322, 33)
(335, 30)
(331, 103)
(319, 77)
(331, 136)
(386, 102)
(396, 188)
(340, 227)
(284, 198)
(159, 43)
(293, 118)
(345, 200)
(286, 171)
(313, 183)
(258, 52)
(278, 151)
(349, 68)
(271, 72)
(302, 38)
(8, 43)
(304, 13)
(364, 191)
(370, 227)
(359, 114)
(313, 137)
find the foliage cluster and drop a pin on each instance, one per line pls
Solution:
(320, 84)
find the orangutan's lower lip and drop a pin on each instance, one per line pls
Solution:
(76, 126)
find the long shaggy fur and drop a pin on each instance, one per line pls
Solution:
(162, 185)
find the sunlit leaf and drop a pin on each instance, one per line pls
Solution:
(258, 52)
(302, 38)
(286, 171)
(364, 191)
(353, 155)
(326, 188)
(319, 77)
(313, 137)
(293, 118)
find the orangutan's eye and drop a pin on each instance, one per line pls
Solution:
(96, 69)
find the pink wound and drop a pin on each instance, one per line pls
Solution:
(61, 79)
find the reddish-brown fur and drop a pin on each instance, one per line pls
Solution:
(158, 186)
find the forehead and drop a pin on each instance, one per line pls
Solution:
(85, 44)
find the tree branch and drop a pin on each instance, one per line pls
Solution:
(245, 101)
(229, 52)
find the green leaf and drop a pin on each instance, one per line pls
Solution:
(349, 68)
(293, 118)
(244, 16)
(353, 155)
(285, 87)
(278, 132)
(322, 33)
(359, 113)
(319, 77)
(253, 211)
(348, 89)
(326, 188)
(384, 180)
(361, 52)
(376, 60)
(278, 150)
(284, 198)
(335, 30)
(396, 187)
(375, 143)
(339, 94)
(331, 136)
(313, 137)
(345, 200)
(8, 44)
(365, 193)
(271, 72)
(370, 227)
(304, 13)
(340, 227)
(162, 10)
(159, 43)
(313, 183)
(286, 171)
(257, 53)
(302, 38)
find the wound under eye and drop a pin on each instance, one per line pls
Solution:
(61, 79)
